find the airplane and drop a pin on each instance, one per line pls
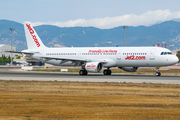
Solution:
(95, 59)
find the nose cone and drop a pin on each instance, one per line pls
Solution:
(175, 60)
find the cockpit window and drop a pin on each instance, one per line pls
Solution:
(166, 53)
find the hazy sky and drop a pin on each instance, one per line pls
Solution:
(97, 13)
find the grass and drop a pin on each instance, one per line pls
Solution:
(83, 101)
(30, 98)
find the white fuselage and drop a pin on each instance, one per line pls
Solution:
(111, 56)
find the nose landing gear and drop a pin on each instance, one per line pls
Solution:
(157, 71)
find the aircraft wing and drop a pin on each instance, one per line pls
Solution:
(74, 60)
(20, 52)
(67, 59)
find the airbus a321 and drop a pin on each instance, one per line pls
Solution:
(95, 59)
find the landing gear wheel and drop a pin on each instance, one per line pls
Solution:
(107, 72)
(157, 71)
(85, 72)
(158, 74)
(82, 72)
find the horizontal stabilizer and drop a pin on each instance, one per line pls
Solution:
(20, 52)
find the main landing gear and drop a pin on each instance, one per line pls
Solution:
(107, 72)
(82, 72)
(157, 72)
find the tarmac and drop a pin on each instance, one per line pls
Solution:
(14, 73)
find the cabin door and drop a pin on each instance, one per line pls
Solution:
(118, 55)
(152, 54)
(80, 55)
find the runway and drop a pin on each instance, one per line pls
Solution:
(92, 77)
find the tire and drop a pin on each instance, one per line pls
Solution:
(85, 72)
(105, 72)
(109, 72)
(81, 72)
(158, 74)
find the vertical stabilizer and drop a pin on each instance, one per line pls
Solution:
(33, 40)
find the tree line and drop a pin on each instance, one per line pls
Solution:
(178, 55)
(5, 59)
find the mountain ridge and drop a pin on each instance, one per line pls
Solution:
(52, 36)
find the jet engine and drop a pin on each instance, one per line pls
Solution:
(94, 67)
(129, 69)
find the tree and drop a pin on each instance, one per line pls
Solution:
(18, 57)
(178, 54)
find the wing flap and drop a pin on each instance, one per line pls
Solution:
(67, 59)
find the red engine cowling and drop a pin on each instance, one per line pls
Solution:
(129, 69)
(94, 67)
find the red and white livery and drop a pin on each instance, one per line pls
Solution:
(95, 59)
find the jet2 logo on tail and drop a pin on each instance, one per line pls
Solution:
(33, 36)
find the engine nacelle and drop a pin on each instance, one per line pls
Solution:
(94, 67)
(129, 69)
